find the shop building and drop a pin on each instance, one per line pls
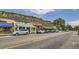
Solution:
(29, 26)
(6, 25)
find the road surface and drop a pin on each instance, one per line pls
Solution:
(49, 43)
(61, 40)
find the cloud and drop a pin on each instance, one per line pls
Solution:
(74, 23)
(42, 11)
(74, 9)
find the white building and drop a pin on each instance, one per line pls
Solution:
(29, 26)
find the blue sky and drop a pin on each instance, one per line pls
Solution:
(71, 16)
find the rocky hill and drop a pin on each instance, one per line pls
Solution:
(24, 18)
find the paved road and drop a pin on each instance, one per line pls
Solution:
(61, 40)
(72, 43)
(15, 41)
(49, 43)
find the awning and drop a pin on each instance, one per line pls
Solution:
(3, 24)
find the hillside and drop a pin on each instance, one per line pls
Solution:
(24, 18)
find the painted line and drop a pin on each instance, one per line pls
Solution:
(17, 45)
(73, 43)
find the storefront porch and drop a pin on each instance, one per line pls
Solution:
(5, 28)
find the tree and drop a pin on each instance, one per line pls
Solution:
(69, 27)
(59, 23)
(76, 27)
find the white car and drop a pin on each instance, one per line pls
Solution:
(18, 32)
(41, 31)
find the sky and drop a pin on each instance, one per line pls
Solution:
(71, 16)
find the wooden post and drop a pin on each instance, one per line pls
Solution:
(14, 27)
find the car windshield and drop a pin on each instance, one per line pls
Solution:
(23, 29)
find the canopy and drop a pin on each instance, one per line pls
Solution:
(4, 24)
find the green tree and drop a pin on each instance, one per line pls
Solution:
(69, 27)
(59, 23)
(76, 27)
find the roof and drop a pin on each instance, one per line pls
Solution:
(7, 20)
(37, 24)
(24, 24)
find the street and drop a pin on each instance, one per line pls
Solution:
(61, 40)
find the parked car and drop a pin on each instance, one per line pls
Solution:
(41, 31)
(19, 32)
(53, 30)
(57, 30)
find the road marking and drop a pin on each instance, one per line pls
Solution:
(5, 36)
(17, 45)
(73, 43)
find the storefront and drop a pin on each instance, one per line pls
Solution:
(30, 27)
(5, 28)
(38, 26)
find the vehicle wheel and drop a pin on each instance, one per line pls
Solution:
(27, 33)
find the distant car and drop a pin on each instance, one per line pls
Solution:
(49, 31)
(41, 31)
(52, 31)
(19, 32)
(57, 30)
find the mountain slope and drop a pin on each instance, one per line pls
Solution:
(24, 18)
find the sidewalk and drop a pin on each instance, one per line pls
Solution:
(4, 34)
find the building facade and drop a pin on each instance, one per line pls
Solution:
(9, 26)
(6, 25)
(29, 26)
